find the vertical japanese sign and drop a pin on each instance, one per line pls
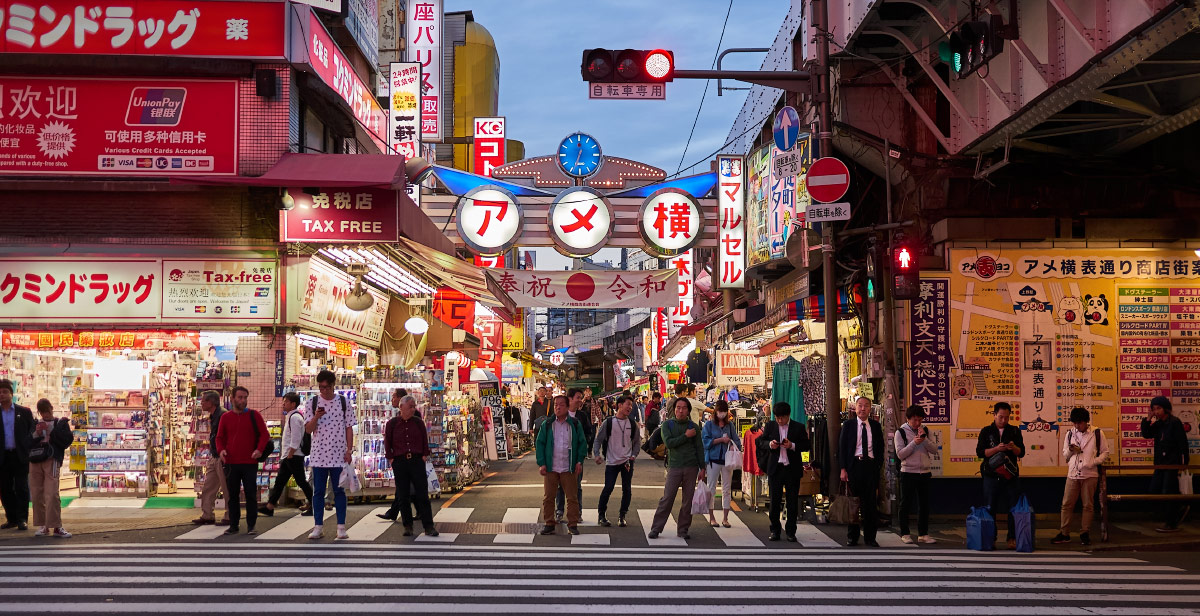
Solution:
(930, 357)
(490, 330)
(493, 408)
(731, 240)
(781, 206)
(489, 147)
(404, 121)
(681, 312)
(662, 328)
(424, 38)
(514, 335)
(757, 189)
(280, 367)
(332, 66)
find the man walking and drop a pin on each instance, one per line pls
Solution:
(1000, 445)
(580, 409)
(241, 441)
(560, 451)
(787, 441)
(685, 464)
(214, 469)
(1170, 447)
(291, 460)
(1085, 451)
(406, 446)
(17, 436)
(617, 443)
(540, 408)
(861, 455)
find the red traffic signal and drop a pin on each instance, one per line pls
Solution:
(906, 271)
(628, 66)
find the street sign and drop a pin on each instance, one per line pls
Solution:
(828, 180)
(628, 91)
(556, 358)
(786, 128)
(787, 164)
(826, 212)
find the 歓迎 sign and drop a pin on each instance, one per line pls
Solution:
(146, 27)
(670, 222)
(137, 340)
(825, 212)
(83, 126)
(828, 180)
(424, 36)
(580, 221)
(489, 145)
(404, 121)
(323, 306)
(219, 290)
(681, 311)
(628, 91)
(332, 66)
(731, 210)
(588, 288)
(361, 215)
(489, 219)
(740, 368)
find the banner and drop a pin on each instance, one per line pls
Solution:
(323, 307)
(514, 335)
(134, 127)
(740, 368)
(358, 215)
(219, 290)
(137, 340)
(424, 35)
(454, 308)
(404, 121)
(588, 289)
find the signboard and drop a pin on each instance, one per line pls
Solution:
(489, 219)
(332, 66)
(930, 357)
(828, 180)
(580, 221)
(489, 146)
(758, 188)
(280, 372)
(362, 21)
(781, 206)
(220, 290)
(588, 288)
(359, 215)
(493, 408)
(649, 349)
(424, 34)
(786, 128)
(135, 127)
(514, 335)
(670, 222)
(454, 308)
(136, 340)
(628, 91)
(731, 212)
(489, 261)
(404, 121)
(333, 6)
(556, 358)
(323, 306)
(490, 331)
(740, 368)
(681, 311)
(145, 27)
(825, 212)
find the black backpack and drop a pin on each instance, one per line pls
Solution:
(270, 448)
(608, 423)
(306, 440)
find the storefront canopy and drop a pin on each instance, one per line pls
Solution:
(321, 170)
(457, 274)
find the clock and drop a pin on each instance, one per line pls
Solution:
(579, 155)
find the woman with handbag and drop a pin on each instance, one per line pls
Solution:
(51, 438)
(1000, 446)
(719, 437)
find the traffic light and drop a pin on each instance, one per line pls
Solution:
(906, 271)
(972, 45)
(628, 66)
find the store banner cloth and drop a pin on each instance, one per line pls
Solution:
(588, 289)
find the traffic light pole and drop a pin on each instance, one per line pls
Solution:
(789, 81)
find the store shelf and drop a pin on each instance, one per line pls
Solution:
(115, 429)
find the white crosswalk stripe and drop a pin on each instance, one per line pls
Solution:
(292, 528)
(668, 536)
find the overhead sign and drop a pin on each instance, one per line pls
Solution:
(580, 221)
(740, 368)
(220, 291)
(628, 91)
(731, 211)
(133, 127)
(454, 308)
(681, 311)
(828, 180)
(323, 306)
(825, 212)
(404, 119)
(670, 222)
(489, 261)
(137, 340)
(360, 215)
(514, 335)
(489, 219)
(332, 66)
(145, 27)
(786, 128)
(489, 145)
(424, 35)
(556, 358)
(334, 6)
(588, 288)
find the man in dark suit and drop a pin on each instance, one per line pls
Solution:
(785, 441)
(16, 437)
(861, 454)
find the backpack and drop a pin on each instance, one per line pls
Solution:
(608, 430)
(306, 440)
(270, 448)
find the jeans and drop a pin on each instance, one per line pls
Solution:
(288, 468)
(914, 486)
(1167, 482)
(625, 471)
(558, 496)
(14, 487)
(721, 470)
(322, 475)
(412, 486)
(999, 492)
(245, 478)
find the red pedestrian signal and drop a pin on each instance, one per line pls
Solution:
(628, 66)
(906, 271)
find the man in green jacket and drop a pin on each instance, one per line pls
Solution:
(561, 450)
(685, 464)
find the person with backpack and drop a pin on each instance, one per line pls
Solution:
(914, 455)
(51, 438)
(242, 442)
(1085, 450)
(214, 470)
(1000, 445)
(685, 465)
(330, 421)
(406, 446)
(617, 443)
(296, 444)
(719, 436)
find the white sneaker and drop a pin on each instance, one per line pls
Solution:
(316, 533)
(926, 539)
(341, 533)
(906, 539)
(62, 533)
(41, 532)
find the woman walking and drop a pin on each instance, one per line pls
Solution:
(51, 438)
(719, 436)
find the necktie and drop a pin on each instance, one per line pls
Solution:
(866, 447)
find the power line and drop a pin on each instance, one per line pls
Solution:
(716, 54)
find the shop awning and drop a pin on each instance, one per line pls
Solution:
(319, 170)
(453, 272)
(813, 307)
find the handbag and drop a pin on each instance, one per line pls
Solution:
(981, 530)
(733, 455)
(41, 452)
(844, 509)
(810, 483)
(1022, 515)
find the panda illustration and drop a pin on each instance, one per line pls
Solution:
(1095, 309)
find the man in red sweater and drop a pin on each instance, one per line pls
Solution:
(241, 439)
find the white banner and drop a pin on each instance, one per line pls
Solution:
(404, 121)
(731, 223)
(424, 35)
(323, 307)
(740, 368)
(588, 289)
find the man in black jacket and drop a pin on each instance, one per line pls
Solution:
(785, 441)
(1170, 447)
(860, 453)
(1001, 484)
(16, 437)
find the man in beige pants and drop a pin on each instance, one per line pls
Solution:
(214, 471)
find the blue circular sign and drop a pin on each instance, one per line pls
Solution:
(786, 128)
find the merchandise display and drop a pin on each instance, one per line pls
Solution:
(374, 411)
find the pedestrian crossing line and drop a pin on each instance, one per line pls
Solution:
(590, 539)
(518, 515)
(203, 532)
(892, 540)
(810, 536)
(370, 526)
(668, 536)
(738, 536)
(441, 538)
(450, 515)
(293, 527)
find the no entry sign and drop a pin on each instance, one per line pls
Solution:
(828, 180)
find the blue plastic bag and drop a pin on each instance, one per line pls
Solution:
(1023, 521)
(981, 530)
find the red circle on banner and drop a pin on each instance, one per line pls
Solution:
(828, 179)
(580, 287)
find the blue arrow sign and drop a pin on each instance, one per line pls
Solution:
(786, 128)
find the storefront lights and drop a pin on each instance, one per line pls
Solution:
(416, 326)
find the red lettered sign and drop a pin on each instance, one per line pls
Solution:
(488, 145)
(144, 127)
(359, 215)
(145, 27)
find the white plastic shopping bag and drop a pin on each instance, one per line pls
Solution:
(701, 499)
(435, 486)
(733, 458)
(349, 479)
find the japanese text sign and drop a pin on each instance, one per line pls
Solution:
(588, 289)
(454, 308)
(670, 223)
(101, 339)
(1098, 264)
(489, 145)
(489, 219)
(731, 204)
(490, 331)
(323, 306)
(220, 290)
(740, 368)
(930, 356)
(580, 221)
(404, 119)
(342, 348)
(628, 91)
(424, 36)
(332, 66)
(360, 215)
(136, 127)
(826, 212)
(681, 312)
(145, 27)
(514, 335)
(781, 202)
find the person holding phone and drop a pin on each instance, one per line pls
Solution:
(1085, 451)
(786, 441)
(1170, 447)
(915, 450)
(51, 438)
(330, 420)
(1001, 484)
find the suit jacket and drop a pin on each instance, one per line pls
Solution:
(849, 442)
(23, 432)
(796, 433)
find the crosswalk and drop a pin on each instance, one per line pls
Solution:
(373, 578)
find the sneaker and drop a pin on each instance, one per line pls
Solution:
(1085, 539)
(1060, 539)
(621, 522)
(604, 522)
(341, 532)
(548, 529)
(559, 517)
(251, 531)
(316, 533)
(267, 511)
(684, 535)
(1167, 529)
(232, 530)
(906, 539)
(62, 533)
(574, 530)
(41, 532)
(926, 539)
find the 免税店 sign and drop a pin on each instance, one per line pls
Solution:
(740, 368)
(359, 215)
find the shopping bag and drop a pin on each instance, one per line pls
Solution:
(1185, 482)
(981, 530)
(810, 483)
(733, 458)
(844, 509)
(431, 477)
(701, 499)
(349, 479)
(1023, 521)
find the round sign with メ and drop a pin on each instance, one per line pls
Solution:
(489, 219)
(670, 222)
(786, 128)
(828, 179)
(580, 221)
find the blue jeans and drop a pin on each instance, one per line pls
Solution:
(322, 475)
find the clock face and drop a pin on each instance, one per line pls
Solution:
(579, 155)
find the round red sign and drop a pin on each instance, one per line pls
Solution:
(828, 180)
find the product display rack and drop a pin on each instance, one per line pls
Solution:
(214, 377)
(374, 411)
(269, 468)
(464, 445)
(118, 444)
(51, 377)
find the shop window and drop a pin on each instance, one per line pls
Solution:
(314, 133)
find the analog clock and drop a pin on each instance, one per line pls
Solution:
(579, 155)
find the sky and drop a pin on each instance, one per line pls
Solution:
(544, 98)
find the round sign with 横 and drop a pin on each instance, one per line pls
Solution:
(489, 219)
(580, 221)
(670, 222)
(556, 358)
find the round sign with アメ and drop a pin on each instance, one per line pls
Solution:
(580, 221)
(489, 219)
(670, 222)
